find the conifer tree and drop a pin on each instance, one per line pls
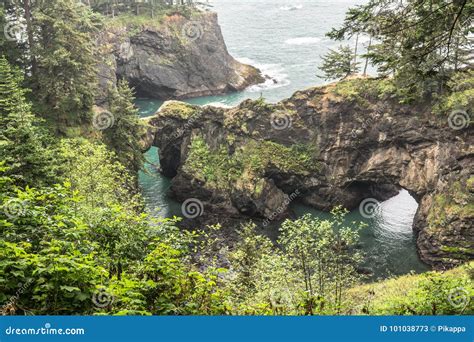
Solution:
(25, 146)
(417, 42)
(65, 49)
(339, 63)
(124, 135)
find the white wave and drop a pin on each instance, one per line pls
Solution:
(275, 73)
(219, 105)
(303, 41)
(291, 7)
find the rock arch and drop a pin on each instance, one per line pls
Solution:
(360, 147)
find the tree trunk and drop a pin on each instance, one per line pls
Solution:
(355, 54)
(29, 30)
(367, 58)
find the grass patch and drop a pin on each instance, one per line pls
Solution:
(164, 16)
(457, 201)
(423, 294)
(219, 169)
(362, 90)
(179, 109)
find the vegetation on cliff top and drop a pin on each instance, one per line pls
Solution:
(456, 202)
(168, 21)
(421, 45)
(220, 169)
(76, 240)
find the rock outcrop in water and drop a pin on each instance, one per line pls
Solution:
(329, 146)
(174, 59)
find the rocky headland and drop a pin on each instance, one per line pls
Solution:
(334, 145)
(174, 57)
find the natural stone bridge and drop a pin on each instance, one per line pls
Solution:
(330, 148)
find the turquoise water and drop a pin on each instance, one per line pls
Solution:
(285, 39)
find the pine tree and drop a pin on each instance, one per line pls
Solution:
(124, 136)
(418, 42)
(25, 146)
(12, 96)
(65, 49)
(12, 49)
(339, 63)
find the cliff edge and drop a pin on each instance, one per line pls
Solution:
(348, 143)
(173, 57)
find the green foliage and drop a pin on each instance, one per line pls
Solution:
(41, 216)
(455, 201)
(310, 273)
(365, 90)
(76, 250)
(460, 96)
(107, 203)
(73, 228)
(220, 169)
(296, 158)
(323, 253)
(65, 81)
(432, 293)
(56, 261)
(13, 50)
(179, 109)
(431, 296)
(415, 41)
(260, 282)
(24, 145)
(125, 134)
(215, 167)
(12, 95)
(249, 250)
(148, 8)
(339, 63)
(65, 280)
(96, 174)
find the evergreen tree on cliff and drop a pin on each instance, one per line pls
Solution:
(124, 135)
(23, 143)
(66, 77)
(339, 63)
(415, 41)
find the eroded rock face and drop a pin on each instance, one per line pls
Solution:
(179, 58)
(331, 149)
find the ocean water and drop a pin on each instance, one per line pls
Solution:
(286, 39)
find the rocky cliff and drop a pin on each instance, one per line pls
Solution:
(347, 143)
(173, 58)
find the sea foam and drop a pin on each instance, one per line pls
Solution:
(303, 41)
(276, 73)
